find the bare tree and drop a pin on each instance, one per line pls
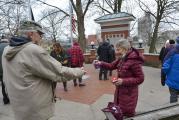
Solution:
(109, 6)
(163, 13)
(81, 8)
(11, 12)
(52, 21)
(81, 11)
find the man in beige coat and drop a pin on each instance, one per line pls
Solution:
(28, 73)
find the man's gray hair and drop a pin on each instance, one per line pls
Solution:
(123, 43)
(23, 34)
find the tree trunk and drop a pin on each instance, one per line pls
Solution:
(154, 38)
(81, 33)
(80, 22)
(115, 6)
(119, 5)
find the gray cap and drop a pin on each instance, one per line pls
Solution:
(30, 26)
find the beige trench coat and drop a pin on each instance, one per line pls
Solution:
(28, 73)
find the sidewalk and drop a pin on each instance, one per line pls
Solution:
(85, 103)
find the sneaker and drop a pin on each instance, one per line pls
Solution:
(82, 84)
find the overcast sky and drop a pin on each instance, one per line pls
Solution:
(91, 27)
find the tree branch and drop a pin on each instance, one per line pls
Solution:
(87, 6)
(73, 4)
(97, 4)
(54, 7)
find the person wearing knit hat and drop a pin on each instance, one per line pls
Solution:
(170, 69)
(129, 76)
(76, 60)
(169, 45)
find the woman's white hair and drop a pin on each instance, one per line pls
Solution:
(123, 43)
(167, 43)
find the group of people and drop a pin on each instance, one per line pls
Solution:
(169, 57)
(30, 73)
(73, 57)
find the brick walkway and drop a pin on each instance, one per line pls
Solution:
(91, 92)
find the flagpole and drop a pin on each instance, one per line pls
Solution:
(29, 11)
(71, 33)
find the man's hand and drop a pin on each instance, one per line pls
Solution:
(65, 61)
(97, 62)
(82, 68)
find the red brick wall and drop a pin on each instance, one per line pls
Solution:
(152, 59)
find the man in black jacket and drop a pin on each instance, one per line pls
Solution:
(104, 55)
(3, 43)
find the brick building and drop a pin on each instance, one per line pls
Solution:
(115, 26)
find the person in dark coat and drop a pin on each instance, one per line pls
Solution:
(112, 57)
(169, 45)
(60, 55)
(103, 52)
(3, 43)
(170, 68)
(76, 60)
(162, 51)
(130, 76)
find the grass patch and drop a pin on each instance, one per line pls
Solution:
(176, 117)
(156, 65)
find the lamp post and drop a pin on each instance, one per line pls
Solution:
(92, 44)
(140, 43)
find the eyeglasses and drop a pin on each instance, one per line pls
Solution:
(40, 34)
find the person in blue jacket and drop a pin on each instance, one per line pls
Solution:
(171, 69)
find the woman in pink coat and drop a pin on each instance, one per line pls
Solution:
(129, 77)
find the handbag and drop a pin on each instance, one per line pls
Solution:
(113, 112)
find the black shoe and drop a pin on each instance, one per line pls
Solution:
(6, 101)
(81, 84)
(106, 79)
(75, 84)
(65, 89)
(100, 78)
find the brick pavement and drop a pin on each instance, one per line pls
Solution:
(91, 92)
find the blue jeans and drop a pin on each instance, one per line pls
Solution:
(173, 95)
